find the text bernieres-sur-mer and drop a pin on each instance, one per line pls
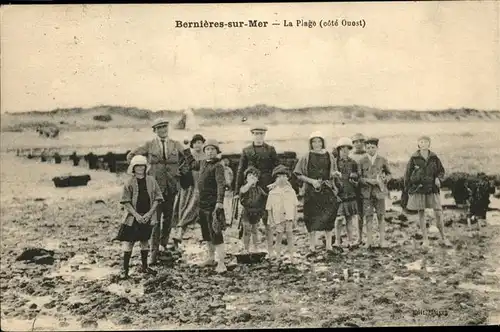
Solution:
(222, 24)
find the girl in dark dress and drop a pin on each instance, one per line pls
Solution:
(141, 195)
(318, 170)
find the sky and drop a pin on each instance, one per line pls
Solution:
(408, 56)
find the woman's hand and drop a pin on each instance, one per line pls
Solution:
(219, 206)
(139, 218)
(437, 182)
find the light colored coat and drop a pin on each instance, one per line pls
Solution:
(164, 171)
(369, 171)
(130, 194)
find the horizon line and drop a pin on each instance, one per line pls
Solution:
(249, 106)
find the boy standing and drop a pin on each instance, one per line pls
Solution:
(282, 209)
(263, 157)
(211, 185)
(374, 171)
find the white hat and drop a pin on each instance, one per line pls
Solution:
(344, 141)
(159, 121)
(138, 160)
(258, 127)
(315, 134)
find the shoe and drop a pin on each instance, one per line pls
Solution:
(124, 275)
(208, 262)
(221, 268)
(148, 271)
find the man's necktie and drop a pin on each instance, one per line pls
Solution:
(163, 149)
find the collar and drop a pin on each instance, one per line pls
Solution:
(160, 139)
(359, 152)
(418, 154)
(262, 145)
(322, 151)
(372, 157)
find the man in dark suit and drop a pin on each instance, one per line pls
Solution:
(263, 157)
(164, 155)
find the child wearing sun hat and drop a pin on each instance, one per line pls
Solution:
(140, 197)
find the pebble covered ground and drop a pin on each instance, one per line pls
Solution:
(79, 288)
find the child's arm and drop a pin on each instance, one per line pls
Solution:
(386, 170)
(221, 184)
(246, 187)
(269, 209)
(128, 206)
(408, 171)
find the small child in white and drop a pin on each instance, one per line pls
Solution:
(282, 209)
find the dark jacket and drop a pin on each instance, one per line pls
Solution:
(211, 183)
(264, 158)
(348, 189)
(421, 174)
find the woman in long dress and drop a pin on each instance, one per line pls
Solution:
(318, 170)
(186, 207)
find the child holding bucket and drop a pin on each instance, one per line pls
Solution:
(140, 197)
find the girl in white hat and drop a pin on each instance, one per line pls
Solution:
(140, 197)
(317, 169)
(348, 167)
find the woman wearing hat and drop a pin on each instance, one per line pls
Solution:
(348, 191)
(141, 196)
(423, 177)
(186, 207)
(164, 155)
(317, 169)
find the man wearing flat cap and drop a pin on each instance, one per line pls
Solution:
(263, 157)
(164, 155)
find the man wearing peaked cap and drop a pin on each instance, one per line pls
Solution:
(257, 128)
(164, 155)
(159, 122)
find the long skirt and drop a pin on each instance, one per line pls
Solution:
(187, 207)
(320, 209)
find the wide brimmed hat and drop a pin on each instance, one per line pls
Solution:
(258, 127)
(358, 137)
(137, 161)
(280, 169)
(195, 138)
(372, 140)
(212, 142)
(159, 122)
(252, 170)
(344, 141)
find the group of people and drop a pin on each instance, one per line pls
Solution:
(172, 187)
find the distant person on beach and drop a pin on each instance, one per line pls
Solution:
(141, 196)
(92, 160)
(75, 158)
(263, 157)
(281, 206)
(317, 169)
(423, 177)
(348, 190)
(357, 153)
(211, 184)
(374, 172)
(57, 158)
(164, 155)
(44, 156)
(187, 201)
